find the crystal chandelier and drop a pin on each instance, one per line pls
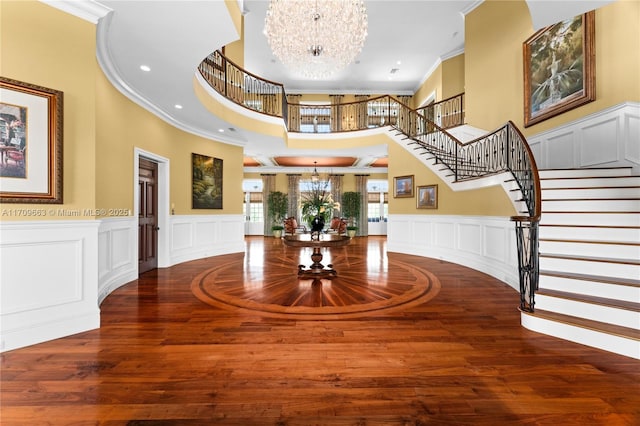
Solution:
(316, 38)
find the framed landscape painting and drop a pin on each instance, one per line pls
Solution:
(207, 182)
(427, 197)
(559, 68)
(403, 186)
(30, 143)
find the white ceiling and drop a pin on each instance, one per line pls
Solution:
(173, 36)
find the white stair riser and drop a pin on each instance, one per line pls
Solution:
(564, 173)
(589, 183)
(616, 251)
(590, 193)
(606, 314)
(597, 219)
(592, 268)
(607, 342)
(591, 205)
(590, 233)
(591, 288)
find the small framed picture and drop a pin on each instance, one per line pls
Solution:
(403, 186)
(427, 197)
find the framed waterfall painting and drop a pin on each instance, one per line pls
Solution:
(30, 143)
(559, 68)
(207, 182)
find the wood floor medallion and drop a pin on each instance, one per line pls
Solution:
(366, 283)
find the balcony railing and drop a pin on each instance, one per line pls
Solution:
(504, 150)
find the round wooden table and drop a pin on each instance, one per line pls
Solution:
(316, 241)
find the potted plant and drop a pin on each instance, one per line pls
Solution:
(277, 204)
(351, 208)
(317, 205)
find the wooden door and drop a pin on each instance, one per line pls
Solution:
(147, 216)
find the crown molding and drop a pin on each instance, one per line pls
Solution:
(89, 10)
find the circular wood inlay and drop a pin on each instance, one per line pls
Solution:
(366, 284)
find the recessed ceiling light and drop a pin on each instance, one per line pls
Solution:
(178, 106)
(145, 68)
(221, 130)
(399, 62)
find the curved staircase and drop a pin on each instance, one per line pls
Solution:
(589, 287)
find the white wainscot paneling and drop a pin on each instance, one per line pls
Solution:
(423, 234)
(598, 143)
(444, 235)
(608, 138)
(117, 254)
(496, 242)
(197, 236)
(48, 281)
(482, 243)
(470, 238)
(632, 138)
(559, 150)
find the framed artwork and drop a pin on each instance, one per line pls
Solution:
(207, 182)
(559, 68)
(427, 197)
(30, 143)
(403, 186)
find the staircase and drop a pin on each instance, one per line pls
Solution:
(589, 288)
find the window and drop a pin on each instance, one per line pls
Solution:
(377, 200)
(253, 208)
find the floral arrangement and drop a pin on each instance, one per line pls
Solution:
(318, 202)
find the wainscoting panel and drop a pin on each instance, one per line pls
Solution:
(48, 282)
(117, 254)
(197, 236)
(560, 147)
(631, 132)
(595, 148)
(608, 138)
(480, 243)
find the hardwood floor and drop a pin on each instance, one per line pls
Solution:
(239, 340)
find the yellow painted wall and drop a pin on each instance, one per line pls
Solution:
(235, 50)
(122, 126)
(43, 46)
(433, 84)
(494, 33)
(491, 201)
(452, 76)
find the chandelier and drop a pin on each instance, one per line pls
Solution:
(315, 176)
(316, 38)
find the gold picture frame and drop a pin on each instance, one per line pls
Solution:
(206, 184)
(559, 68)
(31, 119)
(427, 197)
(403, 186)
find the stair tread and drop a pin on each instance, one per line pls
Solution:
(596, 300)
(591, 226)
(591, 258)
(587, 177)
(573, 240)
(590, 277)
(580, 188)
(592, 199)
(617, 330)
